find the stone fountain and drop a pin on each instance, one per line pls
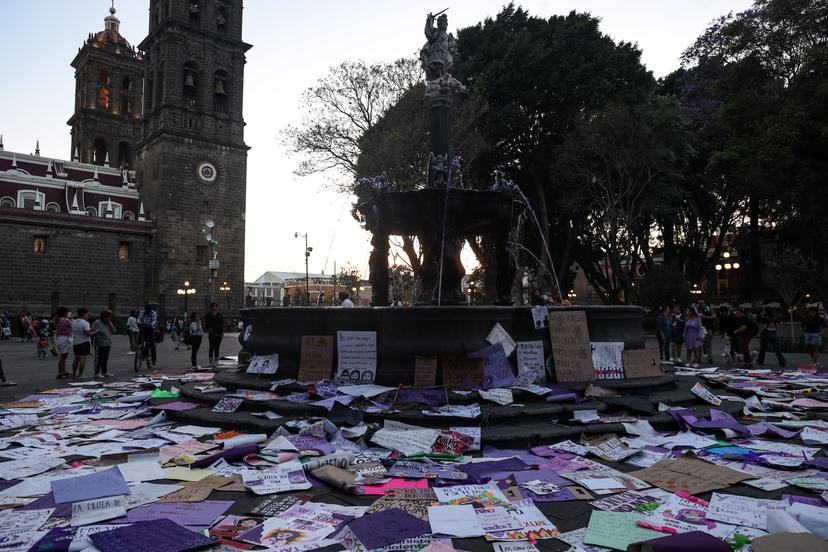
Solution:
(442, 215)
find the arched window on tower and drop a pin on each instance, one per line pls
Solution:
(221, 92)
(190, 83)
(103, 90)
(195, 13)
(100, 150)
(124, 154)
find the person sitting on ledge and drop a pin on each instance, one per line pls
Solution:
(344, 301)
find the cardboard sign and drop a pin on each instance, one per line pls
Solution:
(642, 363)
(606, 359)
(357, 355)
(425, 371)
(462, 374)
(266, 364)
(571, 350)
(316, 357)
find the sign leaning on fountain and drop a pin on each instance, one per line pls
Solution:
(571, 349)
(357, 356)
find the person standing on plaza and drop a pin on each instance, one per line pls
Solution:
(81, 342)
(25, 327)
(46, 330)
(744, 330)
(5, 326)
(677, 333)
(812, 325)
(174, 332)
(663, 332)
(770, 324)
(693, 339)
(103, 330)
(132, 331)
(214, 323)
(708, 320)
(196, 335)
(147, 324)
(63, 331)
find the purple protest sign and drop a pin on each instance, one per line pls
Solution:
(311, 443)
(432, 396)
(230, 455)
(193, 514)
(389, 526)
(150, 536)
(497, 372)
(90, 486)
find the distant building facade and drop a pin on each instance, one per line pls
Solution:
(271, 288)
(157, 150)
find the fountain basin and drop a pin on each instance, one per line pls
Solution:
(404, 333)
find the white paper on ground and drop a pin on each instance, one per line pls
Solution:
(100, 509)
(814, 519)
(586, 416)
(366, 390)
(19, 469)
(81, 540)
(240, 440)
(600, 483)
(196, 431)
(514, 547)
(703, 392)
(778, 521)
(409, 442)
(454, 521)
(142, 467)
(499, 395)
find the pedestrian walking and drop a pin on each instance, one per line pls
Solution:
(25, 327)
(196, 335)
(693, 336)
(769, 323)
(214, 324)
(81, 342)
(147, 326)
(63, 330)
(132, 331)
(103, 329)
(676, 333)
(663, 332)
(812, 325)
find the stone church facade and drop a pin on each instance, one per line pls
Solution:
(154, 193)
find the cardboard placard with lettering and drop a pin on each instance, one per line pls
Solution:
(462, 374)
(316, 357)
(425, 371)
(642, 363)
(571, 350)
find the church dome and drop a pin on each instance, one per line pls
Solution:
(110, 37)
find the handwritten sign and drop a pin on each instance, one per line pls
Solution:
(266, 364)
(316, 357)
(641, 363)
(357, 356)
(540, 317)
(425, 371)
(606, 359)
(530, 361)
(461, 374)
(569, 334)
(496, 371)
(91, 511)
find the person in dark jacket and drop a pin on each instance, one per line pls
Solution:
(663, 332)
(214, 324)
(769, 323)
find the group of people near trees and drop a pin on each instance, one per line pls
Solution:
(692, 329)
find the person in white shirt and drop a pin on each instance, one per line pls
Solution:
(344, 301)
(132, 331)
(81, 342)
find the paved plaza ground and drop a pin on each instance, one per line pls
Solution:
(21, 365)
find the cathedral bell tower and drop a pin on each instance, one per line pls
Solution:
(108, 89)
(192, 159)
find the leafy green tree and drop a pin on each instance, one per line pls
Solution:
(664, 285)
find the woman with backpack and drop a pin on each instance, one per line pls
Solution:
(195, 335)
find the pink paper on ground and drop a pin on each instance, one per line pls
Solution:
(192, 446)
(395, 484)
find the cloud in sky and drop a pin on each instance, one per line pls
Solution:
(294, 43)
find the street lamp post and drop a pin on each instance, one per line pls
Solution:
(186, 291)
(213, 263)
(225, 288)
(307, 259)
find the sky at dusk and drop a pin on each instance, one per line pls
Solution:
(294, 44)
